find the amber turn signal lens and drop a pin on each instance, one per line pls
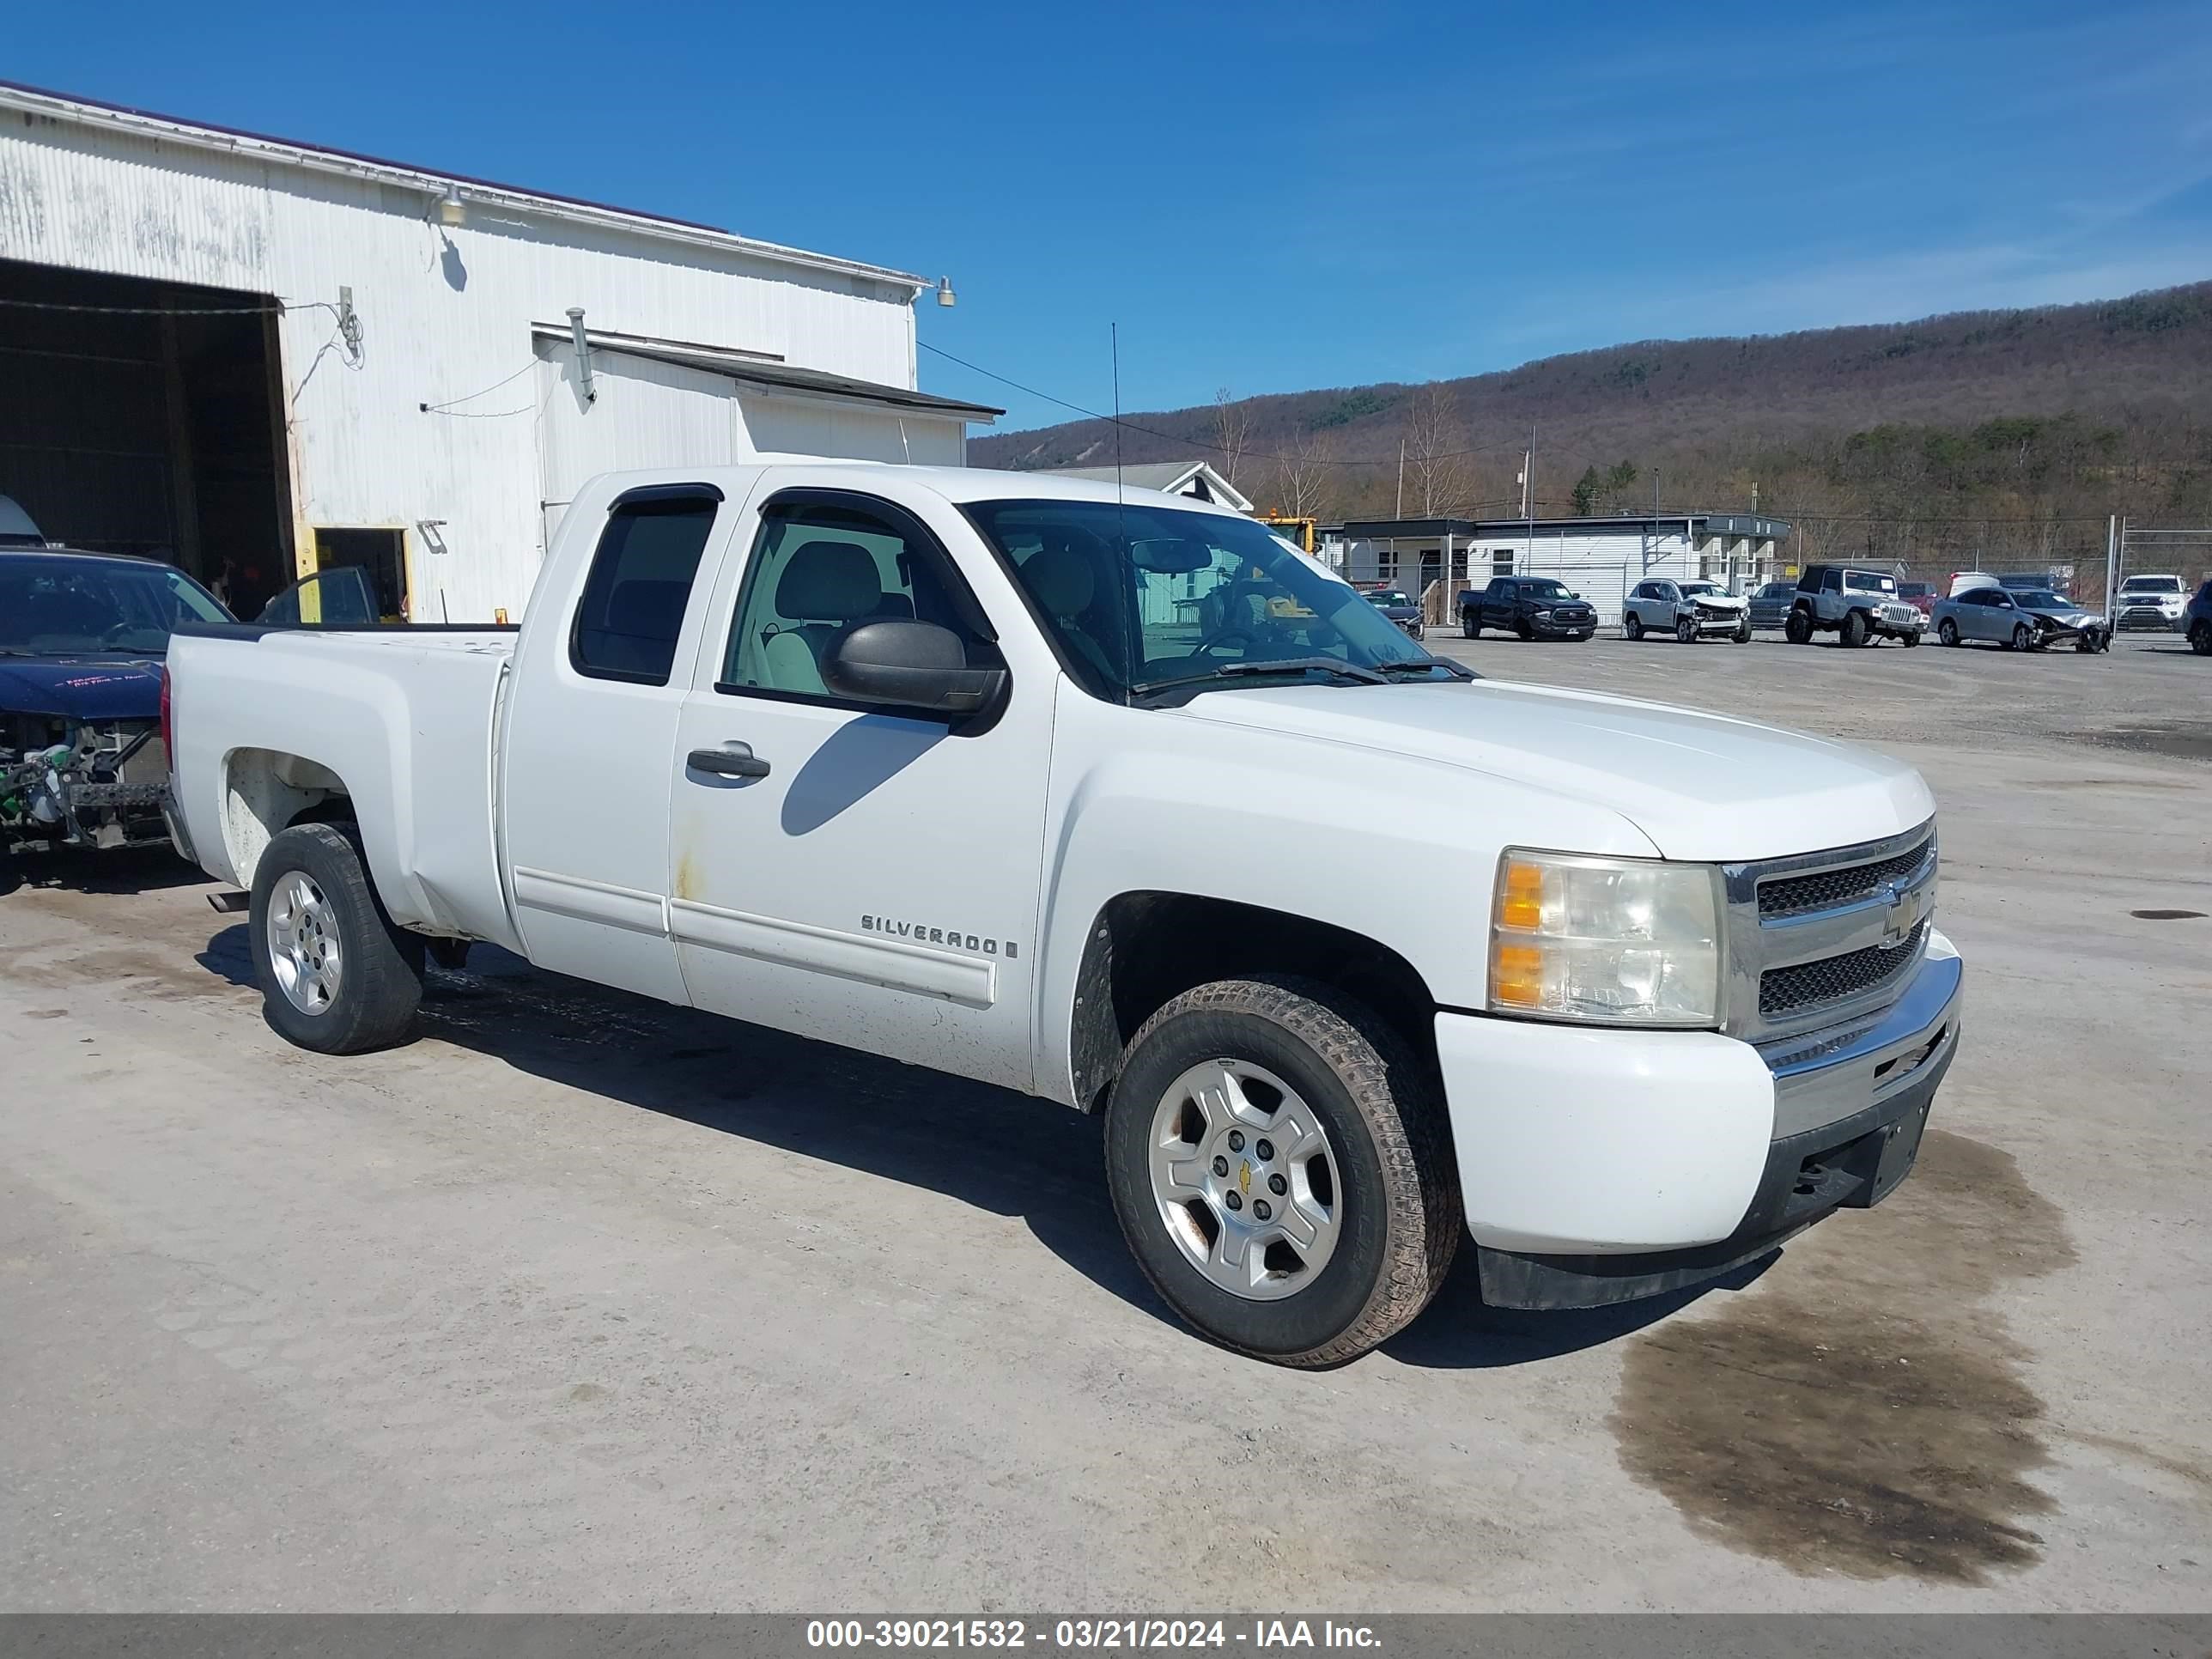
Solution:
(1516, 975)
(1522, 904)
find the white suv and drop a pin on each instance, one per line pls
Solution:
(1689, 611)
(2150, 602)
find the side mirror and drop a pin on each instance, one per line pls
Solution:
(909, 665)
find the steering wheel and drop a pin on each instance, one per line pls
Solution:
(115, 634)
(1207, 644)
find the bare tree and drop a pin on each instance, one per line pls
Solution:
(1301, 479)
(1439, 481)
(1232, 430)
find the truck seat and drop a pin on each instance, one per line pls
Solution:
(826, 587)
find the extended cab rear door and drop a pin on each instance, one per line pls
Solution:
(600, 677)
(852, 872)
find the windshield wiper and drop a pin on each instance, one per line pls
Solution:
(1228, 670)
(1458, 670)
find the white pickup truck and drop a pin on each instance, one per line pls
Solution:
(1121, 802)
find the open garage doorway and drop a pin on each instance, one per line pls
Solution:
(148, 422)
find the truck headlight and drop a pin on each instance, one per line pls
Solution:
(1612, 941)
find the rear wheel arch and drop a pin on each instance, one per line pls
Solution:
(1144, 949)
(265, 792)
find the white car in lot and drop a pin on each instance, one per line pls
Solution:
(1689, 609)
(2151, 602)
(1018, 778)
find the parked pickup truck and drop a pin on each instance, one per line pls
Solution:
(1534, 607)
(947, 765)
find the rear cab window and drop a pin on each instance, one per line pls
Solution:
(631, 612)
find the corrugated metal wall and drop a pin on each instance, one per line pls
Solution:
(444, 313)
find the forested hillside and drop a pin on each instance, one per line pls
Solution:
(2008, 432)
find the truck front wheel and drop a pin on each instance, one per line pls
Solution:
(336, 976)
(1799, 628)
(1282, 1166)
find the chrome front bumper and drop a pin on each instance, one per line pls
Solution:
(1824, 1077)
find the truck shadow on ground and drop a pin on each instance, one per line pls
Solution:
(1003, 1152)
(124, 870)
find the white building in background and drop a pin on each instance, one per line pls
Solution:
(258, 357)
(1197, 479)
(1600, 558)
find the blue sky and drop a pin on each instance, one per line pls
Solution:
(1277, 196)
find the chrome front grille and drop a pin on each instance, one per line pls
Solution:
(1820, 939)
(1784, 991)
(1830, 889)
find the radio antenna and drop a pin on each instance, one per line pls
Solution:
(1121, 524)
(1114, 336)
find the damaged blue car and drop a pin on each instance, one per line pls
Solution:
(82, 636)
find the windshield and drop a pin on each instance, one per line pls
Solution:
(1388, 599)
(1139, 596)
(2042, 598)
(1693, 590)
(2151, 585)
(1864, 581)
(1544, 588)
(52, 605)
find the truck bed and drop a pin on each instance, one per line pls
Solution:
(404, 715)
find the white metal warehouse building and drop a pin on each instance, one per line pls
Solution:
(258, 357)
(1600, 558)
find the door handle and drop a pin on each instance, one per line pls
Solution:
(731, 760)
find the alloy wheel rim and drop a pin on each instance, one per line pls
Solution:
(304, 950)
(1245, 1180)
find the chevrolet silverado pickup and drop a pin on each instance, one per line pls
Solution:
(1088, 795)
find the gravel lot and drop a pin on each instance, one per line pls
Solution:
(583, 1302)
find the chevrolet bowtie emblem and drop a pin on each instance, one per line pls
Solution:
(1244, 1178)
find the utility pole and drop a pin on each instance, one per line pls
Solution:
(2111, 569)
(1401, 479)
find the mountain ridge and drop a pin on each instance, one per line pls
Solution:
(2033, 423)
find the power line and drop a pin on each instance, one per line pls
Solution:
(1200, 443)
(261, 310)
(450, 403)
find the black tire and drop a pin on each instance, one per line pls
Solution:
(1798, 627)
(1686, 630)
(1947, 631)
(1909, 638)
(1742, 634)
(2200, 638)
(1856, 630)
(2023, 637)
(2085, 644)
(1631, 626)
(1468, 628)
(381, 984)
(1525, 631)
(1390, 1145)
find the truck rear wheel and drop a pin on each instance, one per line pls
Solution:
(336, 976)
(2200, 638)
(1281, 1167)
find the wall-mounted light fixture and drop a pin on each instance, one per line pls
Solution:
(452, 210)
(945, 295)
